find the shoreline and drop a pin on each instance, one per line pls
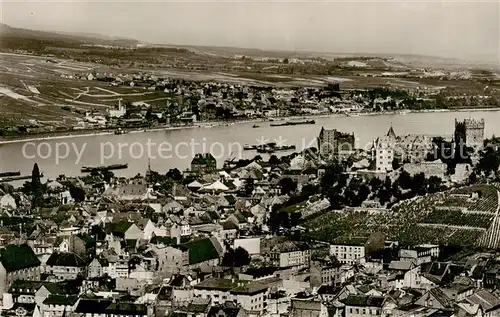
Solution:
(208, 124)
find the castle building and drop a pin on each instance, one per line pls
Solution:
(471, 133)
(409, 148)
(203, 163)
(333, 142)
(385, 151)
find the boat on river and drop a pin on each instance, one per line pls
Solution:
(89, 169)
(292, 123)
(10, 174)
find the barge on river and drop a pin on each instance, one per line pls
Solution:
(89, 169)
(292, 123)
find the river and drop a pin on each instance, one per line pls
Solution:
(175, 148)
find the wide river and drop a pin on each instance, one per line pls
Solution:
(175, 148)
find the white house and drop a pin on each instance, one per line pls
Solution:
(348, 253)
(7, 201)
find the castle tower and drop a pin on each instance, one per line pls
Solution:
(471, 132)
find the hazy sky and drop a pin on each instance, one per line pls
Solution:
(468, 30)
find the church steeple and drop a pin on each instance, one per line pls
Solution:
(148, 173)
(391, 132)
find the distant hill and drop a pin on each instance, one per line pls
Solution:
(8, 32)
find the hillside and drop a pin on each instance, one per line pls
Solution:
(9, 34)
(463, 216)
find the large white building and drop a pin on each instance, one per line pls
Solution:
(251, 295)
(409, 148)
(384, 151)
(348, 253)
(362, 306)
(290, 254)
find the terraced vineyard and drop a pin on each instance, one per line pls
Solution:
(458, 218)
(464, 216)
(439, 235)
(487, 201)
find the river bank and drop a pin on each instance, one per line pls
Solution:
(210, 124)
(175, 149)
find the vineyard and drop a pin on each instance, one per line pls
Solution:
(443, 236)
(458, 218)
(417, 220)
(486, 202)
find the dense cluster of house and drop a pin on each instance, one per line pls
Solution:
(135, 266)
(131, 249)
(209, 101)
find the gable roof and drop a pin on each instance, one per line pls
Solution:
(229, 225)
(230, 199)
(65, 259)
(441, 297)
(485, 299)
(201, 251)
(61, 300)
(18, 257)
(31, 287)
(89, 306)
(127, 309)
(364, 301)
(118, 228)
(401, 265)
(195, 184)
(223, 312)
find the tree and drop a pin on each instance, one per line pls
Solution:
(405, 180)
(107, 175)
(288, 185)
(236, 258)
(434, 184)
(419, 184)
(149, 114)
(472, 178)
(385, 193)
(174, 174)
(97, 232)
(375, 184)
(332, 176)
(257, 158)
(384, 196)
(309, 190)
(279, 219)
(249, 187)
(335, 197)
(77, 194)
(36, 187)
(274, 160)
(489, 162)
(395, 164)
(294, 219)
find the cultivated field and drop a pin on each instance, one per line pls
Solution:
(41, 88)
(455, 217)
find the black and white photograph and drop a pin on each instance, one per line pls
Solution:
(249, 158)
